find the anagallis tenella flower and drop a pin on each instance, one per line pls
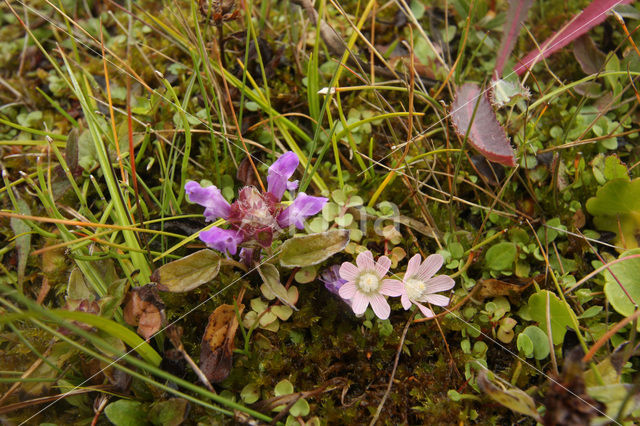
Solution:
(255, 217)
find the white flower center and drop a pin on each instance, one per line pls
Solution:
(415, 288)
(368, 282)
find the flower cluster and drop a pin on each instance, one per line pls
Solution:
(365, 284)
(255, 217)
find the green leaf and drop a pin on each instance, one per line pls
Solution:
(126, 413)
(312, 249)
(500, 257)
(250, 393)
(185, 274)
(171, 412)
(539, 340)
(616, 208)
(560, 314)
(23, 240)
(525, 345)
(300, 408)
(284, 387)
(271, 278)
(77, 288)
(627, 272)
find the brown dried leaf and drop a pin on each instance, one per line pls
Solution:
(145, 309)
(495, 288)
(216, 347)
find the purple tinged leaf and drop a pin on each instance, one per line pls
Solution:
(590, 58)
(486, 134)
(280, 172)
(222, 239)
(591, 16)
(302, 207)
(515, 17)
(210, 198)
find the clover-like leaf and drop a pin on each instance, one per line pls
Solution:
(486, 134)
(307, 250)
(190, 272)
(271, 278)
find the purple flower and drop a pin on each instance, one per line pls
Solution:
(366, 284)
(419, 284)
(280, 172)
(215, 206)
(255, 217)
(222, 239)
(331, 279)
(301, 208)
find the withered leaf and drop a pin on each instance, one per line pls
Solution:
(567, 401)
(145, 309)
(492, 287)
(216, 347)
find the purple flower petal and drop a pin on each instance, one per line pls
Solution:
(331, 279)
(280, 172)
(210, 198)
(380, 306)
(302, 207)
(292, 185)
(222, 239)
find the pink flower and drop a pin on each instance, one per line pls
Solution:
(419, 284)
(366, 284)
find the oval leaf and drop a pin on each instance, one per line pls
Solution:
(312, 249)
(188, 273)
(486, 134)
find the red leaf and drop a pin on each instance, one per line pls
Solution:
(591, 16)
(515, 17)
(486, 134)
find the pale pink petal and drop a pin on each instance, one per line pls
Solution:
(391, 288)
(382, 267)
(413, 266)
(380, 306)
(406, 303)
(348, 290)
(430, 266)
(348, 271)
(425, 311)
(439, 283)
(365, 261)
(359, 302)
(436, 299)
